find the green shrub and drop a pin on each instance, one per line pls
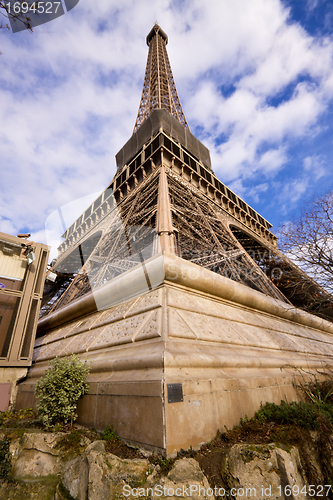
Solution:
(165, 463)
(302, 414)
(109, 435)
(5, 462)
(59, 390)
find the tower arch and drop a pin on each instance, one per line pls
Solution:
(296, 286)
(79, 256)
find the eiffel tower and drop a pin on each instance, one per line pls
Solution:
(174, 288)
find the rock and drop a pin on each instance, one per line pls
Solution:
(36, 454)
(184, 480)
(185, 470)
(31, 489)
(101, 474)
(263, 471)
(98, 475)
(145, 453)
(75, 477)
(260, 471)
(84, 441)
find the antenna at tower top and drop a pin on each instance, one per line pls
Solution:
(159, 88)
(156, 29)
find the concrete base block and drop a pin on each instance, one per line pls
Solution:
(171, 367)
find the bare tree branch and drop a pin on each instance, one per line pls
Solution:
(18, 11)
(308, 240)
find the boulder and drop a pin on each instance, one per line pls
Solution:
(36, 455)
(186, 470)
(185, 480)
(98, 474)
(263, 471)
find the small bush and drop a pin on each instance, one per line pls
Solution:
(164, 463)
(59, 390)
(14, 417)
(301, 414)
(109, 435)
(5, 461)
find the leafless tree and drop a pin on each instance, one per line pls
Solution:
(308, 240)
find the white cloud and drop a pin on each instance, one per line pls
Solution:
(312, 4)
(291, 193)
(315, 165)
(271, 161)
(254, 193)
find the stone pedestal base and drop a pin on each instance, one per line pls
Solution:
(172, 366)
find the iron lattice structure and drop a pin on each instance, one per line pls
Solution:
(196, 232)
(159, 88)
(166, 198)
(198, 227)
(129, 238)
(204, 239)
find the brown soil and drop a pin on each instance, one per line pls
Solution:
(210, 456)
(121, 450)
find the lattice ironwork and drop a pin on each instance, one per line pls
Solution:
(200, 237)
(130, 239)
(53, 291)
(203, 239)
(159, 88)
(201, 234)
(299, 288)
(77, 288)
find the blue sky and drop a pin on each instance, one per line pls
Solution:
(255, 79)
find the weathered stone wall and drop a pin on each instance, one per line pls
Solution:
(229, 347)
